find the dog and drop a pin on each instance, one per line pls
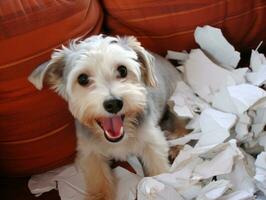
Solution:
(117, 91)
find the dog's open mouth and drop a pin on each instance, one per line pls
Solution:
(112, 127)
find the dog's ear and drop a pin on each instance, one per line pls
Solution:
(144, 57)
(50, 72)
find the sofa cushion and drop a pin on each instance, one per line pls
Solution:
(37, 131)
(170, 24)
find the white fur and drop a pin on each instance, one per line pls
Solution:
(143, 102)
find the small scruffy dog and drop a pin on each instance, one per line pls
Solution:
(117, 92)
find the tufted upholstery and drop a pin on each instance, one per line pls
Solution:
(163, 25)
(36, 130)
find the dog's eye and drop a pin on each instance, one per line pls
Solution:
(83, 79)
(122, 71)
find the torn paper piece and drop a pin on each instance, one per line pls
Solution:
(260, 176)
(238, 195)
(149, 188)
(262, 140)
(179, 56)
(242, 174)
(182, 172)
(68, 180)
(217, 164)
(181, 69)
(238, 98)
(257, 78)
(259, 122)
(42, 183)
(190, 192)
(126, 184)
(214, 190)
(218, 48)
(242, 128)
(186, 103)
(253, 147)
(184, 158)
(185, 139)
(194, 124)
(205, 77)
(258, 66)
(257, 60)
(259, 104)
(239, 75)
(195, 164)
(215, 126)
(136, 165)
(259, 196)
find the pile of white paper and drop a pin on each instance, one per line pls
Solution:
(228, 160)
(227, 111)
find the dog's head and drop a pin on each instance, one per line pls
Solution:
(103, 79)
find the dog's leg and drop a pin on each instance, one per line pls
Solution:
(155, 152)
(99, 179)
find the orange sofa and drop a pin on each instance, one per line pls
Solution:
(36, 129)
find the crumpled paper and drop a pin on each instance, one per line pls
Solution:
(212, 41)
(238, 98)
(186, 103)
(70, 183)
(236, 95)
(227, 112)
(258, 66)
(68, 180)
(260, 176)
(206, 77)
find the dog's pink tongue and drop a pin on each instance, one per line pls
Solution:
(112, 126)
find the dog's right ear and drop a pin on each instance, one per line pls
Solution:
(144, 57)
(50, 72)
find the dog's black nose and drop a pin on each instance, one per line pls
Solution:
(113, 105)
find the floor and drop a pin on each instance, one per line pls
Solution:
(17, 189)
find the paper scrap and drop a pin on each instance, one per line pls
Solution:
(179, 56)
(241, 178)
(215, 126)
(238, 195)
(214, 190)
(68, 180)
(259, 122)
(149, 188)
(127, 183)
(242, 127)
(186, 103)
(258, 66)
(238, 98)
(206, 77)
(213, 42)
(260, 176)
(185, 139)
(194, 124)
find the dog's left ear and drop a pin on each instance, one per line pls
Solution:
(144, 57)
(50, 72)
